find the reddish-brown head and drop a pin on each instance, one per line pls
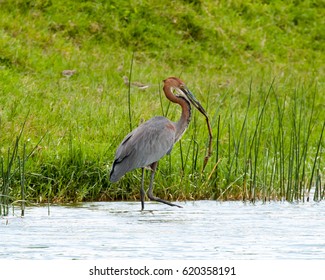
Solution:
(173, 83)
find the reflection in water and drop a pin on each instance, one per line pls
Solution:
(200, 230)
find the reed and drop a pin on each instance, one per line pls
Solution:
(129, 93)
(319, 193)
(21, 164)
(13, 174)
(275, 162)
(8, 171)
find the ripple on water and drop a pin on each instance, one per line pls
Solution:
(200, 230)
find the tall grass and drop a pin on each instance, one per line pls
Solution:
(268, 146)
(268, 132)
(10, 166)
(12, 175)
(269, 156)
(268, 152)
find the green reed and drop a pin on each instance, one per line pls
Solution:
(9, 169)
(129, 92)
(319, 193)
(13, 173)
(21, 164)
(267, 148)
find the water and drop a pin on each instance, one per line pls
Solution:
(200, 230)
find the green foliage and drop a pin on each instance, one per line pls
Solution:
(256, 66)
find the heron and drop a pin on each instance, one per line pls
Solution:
(149, 142)
(138, 85)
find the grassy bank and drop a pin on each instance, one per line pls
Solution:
(257, 68)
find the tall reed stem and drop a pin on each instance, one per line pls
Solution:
(129, 93)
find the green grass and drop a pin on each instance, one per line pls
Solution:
(257, 67)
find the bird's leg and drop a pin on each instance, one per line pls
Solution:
(150, 193)
(142, 193)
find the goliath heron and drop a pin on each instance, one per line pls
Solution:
(149, 142)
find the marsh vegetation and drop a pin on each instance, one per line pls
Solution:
(257, 67)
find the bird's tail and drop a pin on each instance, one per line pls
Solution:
(117, 172)
(113, 177)
(120, 167)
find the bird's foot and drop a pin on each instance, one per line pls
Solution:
(154, 198)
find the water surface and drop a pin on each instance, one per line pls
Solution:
(200, 230)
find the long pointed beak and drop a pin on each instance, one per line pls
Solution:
(193, 100)
(198, 106)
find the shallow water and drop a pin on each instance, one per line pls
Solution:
(200, 230)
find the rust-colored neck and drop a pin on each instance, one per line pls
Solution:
(183, 122)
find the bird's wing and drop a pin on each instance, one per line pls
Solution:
(144, 145)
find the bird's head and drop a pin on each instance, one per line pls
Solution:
(183, 91)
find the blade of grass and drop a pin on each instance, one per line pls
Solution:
(129, 93)
(315, 160)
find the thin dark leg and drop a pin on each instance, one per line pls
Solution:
(150, 193)
(142, 193)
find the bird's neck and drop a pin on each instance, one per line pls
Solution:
(184, 121)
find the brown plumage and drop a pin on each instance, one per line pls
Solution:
(135, 84)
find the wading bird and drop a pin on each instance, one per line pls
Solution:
(134, 84)
(68, 73)
(149, 142)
